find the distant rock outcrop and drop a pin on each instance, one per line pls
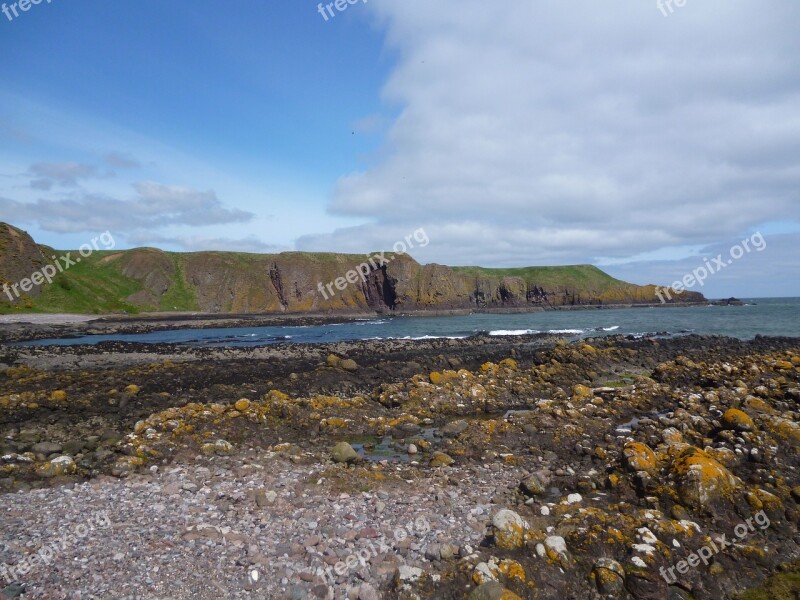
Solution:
(147, 279)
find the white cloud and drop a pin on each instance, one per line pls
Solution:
(535, 132)
(154, 206)
(65, 174)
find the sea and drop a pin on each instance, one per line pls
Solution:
(758, 316)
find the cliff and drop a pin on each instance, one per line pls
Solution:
(147, 280)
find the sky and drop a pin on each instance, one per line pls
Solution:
(638, 136)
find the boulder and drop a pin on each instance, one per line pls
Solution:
(344, 453)
(510, 530)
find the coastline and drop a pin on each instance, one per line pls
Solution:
(227, 454)
(33, 326)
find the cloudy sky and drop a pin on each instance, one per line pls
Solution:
(641, 138)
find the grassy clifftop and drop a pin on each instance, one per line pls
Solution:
(149, 280)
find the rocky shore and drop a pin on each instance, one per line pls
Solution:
(484, 468)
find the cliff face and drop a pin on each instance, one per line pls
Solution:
(146, 279)
(20, 257)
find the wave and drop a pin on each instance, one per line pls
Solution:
(569, 331)
(513, 332)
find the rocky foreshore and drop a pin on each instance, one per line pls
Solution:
(487, 468)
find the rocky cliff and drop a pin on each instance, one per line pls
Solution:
(146, 279)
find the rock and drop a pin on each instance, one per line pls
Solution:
(510, 530)
(242, 405)
(265, 498)
(485, 572)
(349, 365)
(220, 447)
(333, 360)
(556, 548)
(609, 577)
(639, 457)
(344, 453)
(701, 479)
(132, 389)
(412, 449)
(454, 429)
(126, 465)
(58, 467)
(671, 436)
(74, 447)
(15, 590)
(368, 592)
(440, 459)
(58, 396)
(46, 448)
(737, 420)
(406, 575)
(581, 392)
(492, 590)
(535, 484)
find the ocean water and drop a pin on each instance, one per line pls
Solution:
(765, 316)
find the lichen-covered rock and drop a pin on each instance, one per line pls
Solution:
(581, 392)
(510, 530)
(608, 576)
(700, 479)
(242, 405)
(639, 457)
(492, 590)
(440, 459)
(220, 448)
(58, 467)
(535, 484)
(737, 420)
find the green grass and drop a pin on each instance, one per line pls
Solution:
(87, 287)
(180, 295)
(574, 276)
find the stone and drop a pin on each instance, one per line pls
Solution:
(242, 405)
(440, 459)
(639, 457)
(74, 447)
(368, 592)
(510, 530)
(349, 365)
(405, 575)
(701, 479)
(58, 467)
(535, 484)
(492, 590)
(555, 547)
(608, 576)
(46, 448)
(344, 453)
(581, 392)
(454, 429)
(737, 420)
(218, 448)
(333, 360)
(412, 449)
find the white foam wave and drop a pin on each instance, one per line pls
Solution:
(513, 332)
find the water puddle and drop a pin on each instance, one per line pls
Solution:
(629, 426)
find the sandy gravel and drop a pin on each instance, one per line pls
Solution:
(56, 319)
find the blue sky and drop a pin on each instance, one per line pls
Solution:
(527, 133)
